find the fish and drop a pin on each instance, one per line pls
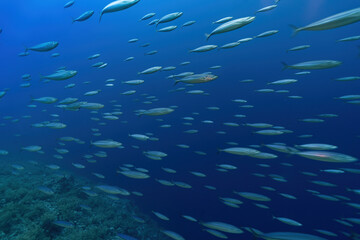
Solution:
(297, 48)
(134, 82)
(267, 8)
(351, 78)
(334, 21)
(230, 45)
(32, 148)
(45, 190)
(153, 22)
(169, 17)
(55, 125)
(46, 100)
(326, 156)
(129, 59)
(189, 23)
(106, 144)
(93, 106)
(197, 78)
(172, 235)
(60, 75)
(113, 190)
(253, 196)
(259, 125)
(147, 16)
(223, 20)
(192, 219)
(283, 82)
(140, 137)
(245, 40)
(288, 221)
(223, 227)
(133, 40)
(2, 94)
(204, 48)
(96, 55)
(267, 33)
(69, 4)
(117, 6)
(78, 165)
(64, 224)
(316, 146)
(161, 216)
(167, 29)
(43, 47)
(348, 39)
(151, 70)
(68, 100)
(240, 151)
(134, 174)
(3, 152)
(85, 16)
(152, 52)
(24, 54)
(230, 26)
(312, 65)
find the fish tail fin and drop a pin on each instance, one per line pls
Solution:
(285, 66)
(295, 30)
(292, 151)
(100, 16)
(139, 73)
(256, 233)
(176, 82)
(207, 36)
(218, 151)
(73, 20)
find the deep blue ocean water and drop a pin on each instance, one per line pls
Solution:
(27, 23)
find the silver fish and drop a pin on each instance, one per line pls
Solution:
(318, 64)
(117, 6)
(43, 47)
(147, 16)
(86, 15)
(61, 75)
(334, 21)
(231, 25)
(169, 17)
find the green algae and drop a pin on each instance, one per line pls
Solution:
(26, 213)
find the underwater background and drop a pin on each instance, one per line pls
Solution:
(27, 23)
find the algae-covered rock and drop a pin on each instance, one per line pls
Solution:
(39, 203)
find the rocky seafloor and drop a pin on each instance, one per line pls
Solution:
(66, 213)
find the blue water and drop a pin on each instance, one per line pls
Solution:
(27, 23)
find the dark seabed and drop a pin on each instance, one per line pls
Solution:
(122, 129)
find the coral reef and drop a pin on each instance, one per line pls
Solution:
(62, 211)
